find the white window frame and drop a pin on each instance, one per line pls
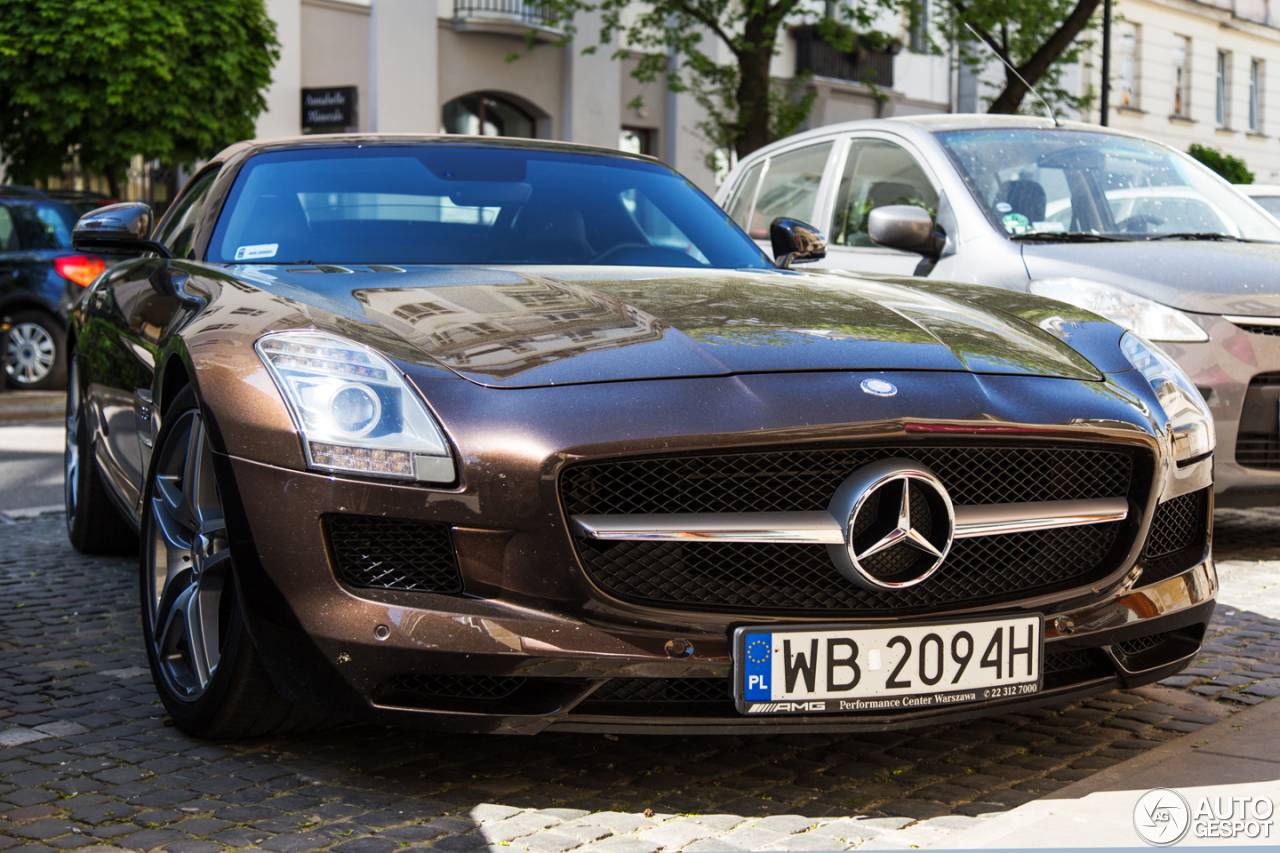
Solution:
(1222, 90)
(1256, 67)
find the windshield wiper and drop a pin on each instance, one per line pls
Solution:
(1197, 235)
(1069, 237)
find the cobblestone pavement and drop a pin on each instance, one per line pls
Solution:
(87, 761)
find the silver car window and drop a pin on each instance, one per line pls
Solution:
(739, 207)
(789, 188)
(877, 173)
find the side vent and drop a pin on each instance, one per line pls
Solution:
(386, 553)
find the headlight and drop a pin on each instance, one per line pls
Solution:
(355, 411)
(1190, 423)
(1153, 321)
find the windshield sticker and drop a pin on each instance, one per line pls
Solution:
(262, 250)
(1015, 223)
(1003, 207)
(1048, 226)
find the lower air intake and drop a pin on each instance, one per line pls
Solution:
(388, 553)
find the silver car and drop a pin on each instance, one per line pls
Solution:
(1117, 224)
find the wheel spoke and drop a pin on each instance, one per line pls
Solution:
(202, 627)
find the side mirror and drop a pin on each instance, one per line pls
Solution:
(904, 226)
(121, 229)
(795, 242)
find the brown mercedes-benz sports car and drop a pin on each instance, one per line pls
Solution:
(505, 436)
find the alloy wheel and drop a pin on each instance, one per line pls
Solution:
(31, 353)
(188, 561)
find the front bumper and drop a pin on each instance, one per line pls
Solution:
(332, 650)
(1222, 368)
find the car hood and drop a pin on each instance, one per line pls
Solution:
(1204, 277)
(540, 326)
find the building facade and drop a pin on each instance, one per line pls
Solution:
(1188, 72)
(426, 66)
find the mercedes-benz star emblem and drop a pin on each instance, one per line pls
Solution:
(879, 387)
(898, 524)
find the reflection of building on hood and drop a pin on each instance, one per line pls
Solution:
(503, 330)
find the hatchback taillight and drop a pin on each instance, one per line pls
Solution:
(82, 269)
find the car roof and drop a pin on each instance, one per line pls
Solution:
(329, 140)
(942, 122)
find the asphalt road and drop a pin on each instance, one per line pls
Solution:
(30, 465)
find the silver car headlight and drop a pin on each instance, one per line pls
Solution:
(354, 410)
(1189, 422)
(1153, 321)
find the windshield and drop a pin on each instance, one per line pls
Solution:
(1045, 182)
(471, 205)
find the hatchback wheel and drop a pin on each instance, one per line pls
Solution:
(203, 662)
(36, 358)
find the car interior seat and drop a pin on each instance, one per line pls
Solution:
(1025, 197)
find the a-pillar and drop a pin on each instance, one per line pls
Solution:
(404, 50)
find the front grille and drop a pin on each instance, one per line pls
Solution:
(1258, 440)
(387, 553)
(779, 577)
(805, 480)
(785, 577)
(1258, 450)
(1177, 538)
(483, 688)
(1258, 329)
(1073, 666)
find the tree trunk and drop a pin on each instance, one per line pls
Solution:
(113, 184)
(1008, 101)
(752, 131)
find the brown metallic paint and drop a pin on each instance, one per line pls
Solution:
(693, 364)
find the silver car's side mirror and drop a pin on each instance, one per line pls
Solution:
(795, 242)
(903, 226)
(121, 229)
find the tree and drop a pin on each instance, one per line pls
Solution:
(1039, 38)
(747, 108)
(681, 41)
(100, 81)
(1229, 167)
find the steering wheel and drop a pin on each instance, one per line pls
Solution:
(1143, 223)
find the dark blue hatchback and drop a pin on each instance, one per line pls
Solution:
(39, 275)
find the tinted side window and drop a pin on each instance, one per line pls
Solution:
(739, 207)
(178, 232)
(8, 233)
(877, 173)
(789, 188)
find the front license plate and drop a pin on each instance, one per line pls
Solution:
(828, 669)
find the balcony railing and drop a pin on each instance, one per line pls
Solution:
(816, 56)
(515, 11)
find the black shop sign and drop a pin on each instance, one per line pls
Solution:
(329, 110)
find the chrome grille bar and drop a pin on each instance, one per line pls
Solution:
(820, 528)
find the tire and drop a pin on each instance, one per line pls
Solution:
(94, 526)
(203, 662)
(36, 358)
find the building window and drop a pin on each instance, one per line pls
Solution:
(1182, 76)
(637, 140)
(487, 114)
(1255, 96)
(1220, 89)
(1129, 65)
